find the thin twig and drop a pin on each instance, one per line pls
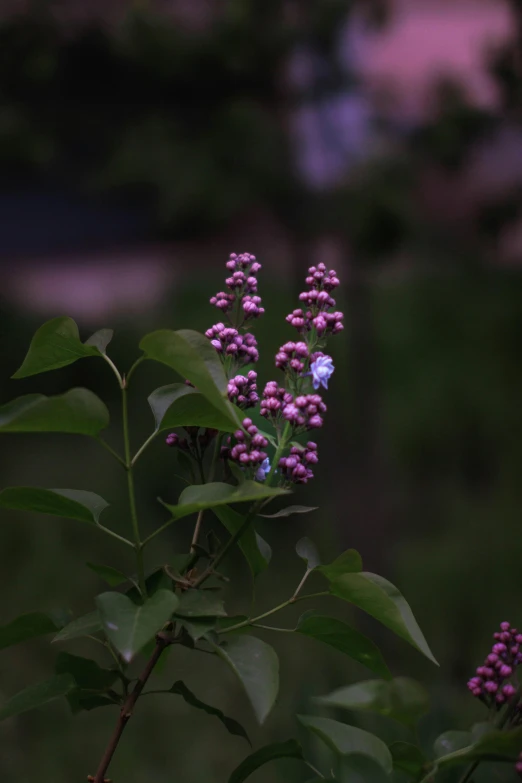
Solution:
(126, 711)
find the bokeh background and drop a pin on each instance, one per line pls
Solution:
(141, 143)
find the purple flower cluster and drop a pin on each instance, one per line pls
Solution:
(296, 467)
(518, 765)
(319, 304)
(228, 342)
(242, 390)
(302, 411)
(243, 285)
(491, 680)
(248, 448)
(291, 355)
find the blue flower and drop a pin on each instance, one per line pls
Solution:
(322, 370)
(263, 470)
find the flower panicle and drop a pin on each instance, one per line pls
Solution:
(492, 681)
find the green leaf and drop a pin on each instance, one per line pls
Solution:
(255, 549)
(199, 627)
(346, 639)
(87, 625)
(307, 551)
(25, 627)
(111, 575)
(200, 603)
(347, 740)
(459, 747)
(70, 503)
(231, 725)
(192, 356)
(78, 412)
(348, 563)
(289, 510)
(495, 746)
(100, 339)
(278, 750)
(157, 580)
(450, 741)
(86, 672)
(408, 758)
(402, 699)
(37, 695)
(129, 627)
(380, 599)
(56, 344)
(357, 768)
(201, 496)
(256, 665)
(179, 405)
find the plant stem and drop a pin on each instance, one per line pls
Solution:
(292, 600)
(132, 497)
(143, 447)
(197, 529)
(250, 515)
(228, 546)
(133, 368)
(155, 533)
(115, 535)
(127, 709)
(111, 451)
(114, 369)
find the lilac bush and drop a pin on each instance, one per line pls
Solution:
(239, 450)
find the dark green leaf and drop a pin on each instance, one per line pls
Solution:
(348, 563)
(37, 695)
(78, 411)
(199, 603)
(179, 405)
(408, 758)
(257, 667)
(157, 580)
(450, 741)
(112, 576)
(255, 549)
(25, 627)
(357, 768)
(201, 496)
(402, 699)
(231, 725)
(56, 344)
(129, 627)
(457, 747)
(381, 600)
(199, 627)
(278, 750)
(86, 625)
(347, 740)
(193, 357)
(70, 503)
(100, 339)
(289, 510)
(237, 472)
(349, 641)
(307, 551)
(86, 672)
